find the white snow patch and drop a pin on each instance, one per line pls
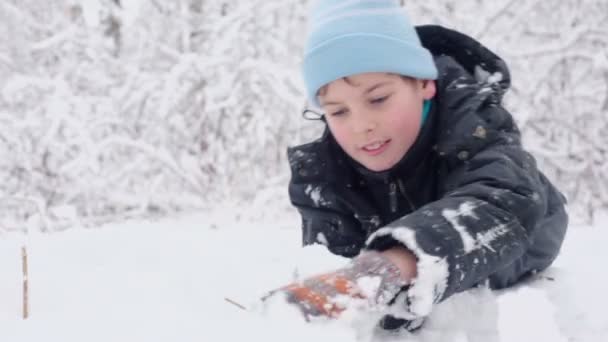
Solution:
(534, 324)
(91, 12)
(484, 90)
(315, 195)
(495, 78)
(486, 238)
(484, 76)
(462, 85)
(369, 285)
(167, 280)
(430, 283)
(453, 216)
(322, 239)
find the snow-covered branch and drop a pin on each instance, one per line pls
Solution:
(113, 109)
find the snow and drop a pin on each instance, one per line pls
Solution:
(483, 76)
(453, 216)
(485, 239)
(431, 280)
(169, 280)
(369, 285)
(91, 12)
(322, 239)
(315, 195)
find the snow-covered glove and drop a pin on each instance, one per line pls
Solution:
(370, 277)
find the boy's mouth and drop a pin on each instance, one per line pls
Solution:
(376, 147)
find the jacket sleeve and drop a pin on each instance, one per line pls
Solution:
(493, 200)
(338, 232)
(326, 218)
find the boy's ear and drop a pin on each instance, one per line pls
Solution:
(428, 89)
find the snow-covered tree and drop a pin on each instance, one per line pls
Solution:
(118, 108)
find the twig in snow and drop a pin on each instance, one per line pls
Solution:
(235, 303)
(25, 283)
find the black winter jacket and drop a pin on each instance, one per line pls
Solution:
(466, 199)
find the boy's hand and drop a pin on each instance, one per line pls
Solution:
(371, 277)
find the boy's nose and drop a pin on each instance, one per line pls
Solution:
(364, 122)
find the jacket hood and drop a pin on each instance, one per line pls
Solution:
(479, 61)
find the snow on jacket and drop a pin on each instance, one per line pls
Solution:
(467, 198)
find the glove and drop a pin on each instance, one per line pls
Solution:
(389, 322)
(371, 277)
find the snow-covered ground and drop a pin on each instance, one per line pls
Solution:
(169, 280)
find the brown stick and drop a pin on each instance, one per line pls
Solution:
(235, 303)
(25, 283)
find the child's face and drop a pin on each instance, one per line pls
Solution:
(375, 117)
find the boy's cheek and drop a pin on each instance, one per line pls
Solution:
(340, 133)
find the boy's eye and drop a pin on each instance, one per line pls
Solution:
(338, 113)
(379, 99)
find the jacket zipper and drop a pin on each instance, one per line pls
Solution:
(392, 195)
(404, 194)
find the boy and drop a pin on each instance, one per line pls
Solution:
(420, 176)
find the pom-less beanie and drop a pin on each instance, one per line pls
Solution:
(348, 37)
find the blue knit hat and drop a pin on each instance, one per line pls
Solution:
(348, 37)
